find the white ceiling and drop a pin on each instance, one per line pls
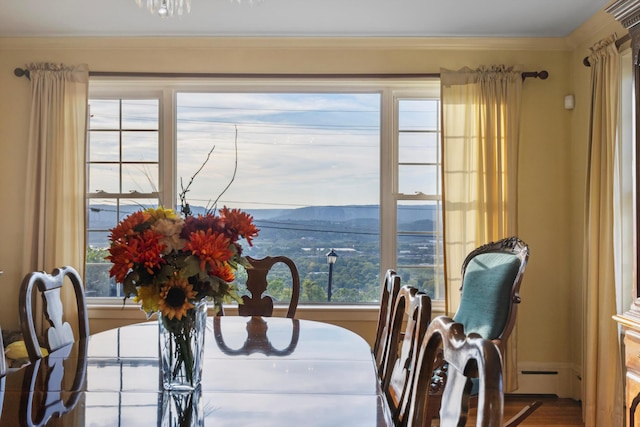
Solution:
(300, 18)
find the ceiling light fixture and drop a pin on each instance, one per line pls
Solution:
(166, 8)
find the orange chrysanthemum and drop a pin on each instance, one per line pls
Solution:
(175, 298)
(122, 257)
(240, 222)
(223, 271)
(211, 248)
(129, 226)
(149, 250)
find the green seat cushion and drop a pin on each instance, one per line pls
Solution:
(486, 293)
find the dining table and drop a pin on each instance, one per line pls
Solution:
(257, 371)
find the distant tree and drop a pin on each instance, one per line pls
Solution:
(96, 280)
(312, 292)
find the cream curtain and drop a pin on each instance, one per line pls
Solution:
(480, 127)
(602, 379)
(55, 173)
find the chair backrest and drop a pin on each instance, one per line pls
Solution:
(389, 294)
(411, 314)
(3, 361)
(258, 303)
(491, 278)
(3, 373)
(60, 333)
(467, 357)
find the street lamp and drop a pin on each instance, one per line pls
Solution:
(332, 257)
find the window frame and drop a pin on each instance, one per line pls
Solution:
(390, 90)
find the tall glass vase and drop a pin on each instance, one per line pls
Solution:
(182, 409)
(182, 348)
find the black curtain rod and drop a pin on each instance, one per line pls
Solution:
(20, 72)
(618, 43)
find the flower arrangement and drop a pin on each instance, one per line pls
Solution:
(167, 262)
(171, 266)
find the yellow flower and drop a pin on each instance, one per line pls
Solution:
(148, 297)
(160, 213)
(175, 298)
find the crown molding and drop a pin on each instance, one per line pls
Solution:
(599, 25)
(625, 11)
(284, 43)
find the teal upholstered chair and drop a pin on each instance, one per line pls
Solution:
(491, 279)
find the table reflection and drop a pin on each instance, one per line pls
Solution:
(266, 372)
(44, 381)
(257, 340)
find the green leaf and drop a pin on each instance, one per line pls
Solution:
(129, 284)
(165, 273)
(191, 266)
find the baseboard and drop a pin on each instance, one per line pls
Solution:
(560, 379)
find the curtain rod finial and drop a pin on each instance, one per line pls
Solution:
(19, 72)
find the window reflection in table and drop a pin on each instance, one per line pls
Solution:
(306, 367)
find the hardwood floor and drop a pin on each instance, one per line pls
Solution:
(553, 412)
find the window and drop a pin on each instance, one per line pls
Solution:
(122, 175)
(419, 204)
(353, 167)
(624, 189)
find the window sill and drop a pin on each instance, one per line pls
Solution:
(110, 309)
(361, 312)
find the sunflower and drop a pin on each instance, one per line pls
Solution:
(175, 298)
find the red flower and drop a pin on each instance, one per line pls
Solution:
(201, 222)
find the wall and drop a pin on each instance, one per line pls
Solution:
(548, 181)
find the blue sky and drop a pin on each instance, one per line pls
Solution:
(293, 149)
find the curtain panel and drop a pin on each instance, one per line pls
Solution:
(602, 378)
(55, 174)
(480, 131)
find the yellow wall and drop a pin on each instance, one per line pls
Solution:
(551, 181)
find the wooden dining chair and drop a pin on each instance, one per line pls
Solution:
(59, 333)
(410, 318)
(258, 302)
(468, 357)
(389, 294)
(3, 360)
(490, 296)
(3, 373)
